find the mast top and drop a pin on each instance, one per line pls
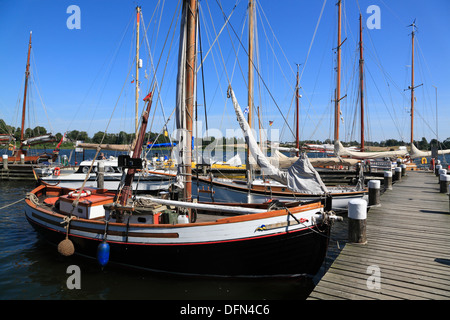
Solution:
(414, 26)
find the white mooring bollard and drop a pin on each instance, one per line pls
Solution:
(441, 172)
(357, 216)
(5, 161)
(444, 181)
(374, 192)
(436, 170)
(403, 166)
(398, 174)
(388, 180)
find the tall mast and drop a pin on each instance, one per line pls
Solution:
(361, 80)
(27, 74)
(337, 111)
(138, 13)
(190, 76)
(250, 78)
(297, 134)
(412, 85)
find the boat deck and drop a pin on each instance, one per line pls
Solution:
(407, 255)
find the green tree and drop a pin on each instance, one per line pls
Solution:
(39, 131)
(423, 144)
(97, 138)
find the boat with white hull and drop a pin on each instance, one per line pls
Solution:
(225, 240)
(144, 181)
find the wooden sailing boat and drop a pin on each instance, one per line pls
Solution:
(414, 151)
(340, 151)
(21, 154)
(182, 237)
(144, 182)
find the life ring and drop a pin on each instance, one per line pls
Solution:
(75, 194)
(424, 160)
(57, 171)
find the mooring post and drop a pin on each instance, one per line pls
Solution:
(374, 192)
(357, 216)
(398, 174)
(388, 180)
(101, 175)
(444, 182)
(436, 170)
(5, 161)
(441, 172)
(403, 166)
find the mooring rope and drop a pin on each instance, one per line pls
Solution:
(8, 205)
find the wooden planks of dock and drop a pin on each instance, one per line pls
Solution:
(407, 255)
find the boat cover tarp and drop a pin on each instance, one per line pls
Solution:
(300, 177)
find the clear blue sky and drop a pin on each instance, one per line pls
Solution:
(80, 73)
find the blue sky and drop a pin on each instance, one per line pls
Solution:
(82, 75)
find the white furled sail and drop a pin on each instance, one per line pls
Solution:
(340, 151)
(41, 139)
(416, 153)
(300, 177)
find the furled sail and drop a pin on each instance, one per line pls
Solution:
(40, 139)
(416, 153)
(340, 151)
(6, 138)
(180, 152)
(105, 146)
(300, 177)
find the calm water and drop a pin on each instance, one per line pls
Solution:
(30, 268)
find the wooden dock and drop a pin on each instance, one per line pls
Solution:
(407, 254)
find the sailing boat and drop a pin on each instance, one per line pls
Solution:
(259, 191)
(339, 149)
(415, 152)
(182, 237)
(21, 154)
(143, 182)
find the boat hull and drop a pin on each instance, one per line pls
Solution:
(284, 242)
(111, 181)
(232, 192)
(289, 254)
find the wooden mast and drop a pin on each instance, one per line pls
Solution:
(27, 74)
(190, 76)
(138, 13)
(412, 85)
(361, 79)
(337, 111)
(297, 134)
(250, 79)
